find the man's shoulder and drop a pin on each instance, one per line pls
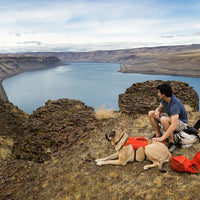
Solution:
(175, 99)
(176, 103)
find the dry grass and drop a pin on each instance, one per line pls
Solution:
(103, 113)
(192, 116)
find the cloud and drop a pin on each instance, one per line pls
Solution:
(197, 34)
(15, 34)
(53, 13)
(31, 47)
(182, 35)
(31, 43)
(97, 22)
(167, 36)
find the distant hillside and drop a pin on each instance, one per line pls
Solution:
(181, 60)
(14, 64)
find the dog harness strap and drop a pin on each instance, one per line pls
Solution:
(135, 154)
(119, 139)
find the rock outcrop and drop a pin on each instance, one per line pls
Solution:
(142, 97)
(57, 125)
(11, 120)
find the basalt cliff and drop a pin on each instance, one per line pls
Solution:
(51, 153)
(14, 64)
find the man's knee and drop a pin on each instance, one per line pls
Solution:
(151, 113)
(165, 120)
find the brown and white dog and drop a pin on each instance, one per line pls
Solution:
(156, 152)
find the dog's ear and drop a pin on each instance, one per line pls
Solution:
(112, 133)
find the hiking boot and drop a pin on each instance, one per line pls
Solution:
(171, 147)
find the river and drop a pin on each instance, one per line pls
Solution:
(95, 84)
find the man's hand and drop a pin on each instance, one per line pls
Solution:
(158, 139)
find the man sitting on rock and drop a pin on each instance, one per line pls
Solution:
(175, 121)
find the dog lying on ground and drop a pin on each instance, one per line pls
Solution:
(156, 152)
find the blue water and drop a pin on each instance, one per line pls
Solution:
(95, 84)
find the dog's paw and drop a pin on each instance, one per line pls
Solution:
(99, 163)
(97, 160)
(145, 168)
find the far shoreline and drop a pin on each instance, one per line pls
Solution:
(159, 73)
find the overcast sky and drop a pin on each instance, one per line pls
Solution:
(84, 25)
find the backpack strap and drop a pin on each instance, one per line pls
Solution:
(135, 150)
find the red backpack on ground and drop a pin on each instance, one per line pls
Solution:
(183, 164)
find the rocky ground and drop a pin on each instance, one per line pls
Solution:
(51, 155)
